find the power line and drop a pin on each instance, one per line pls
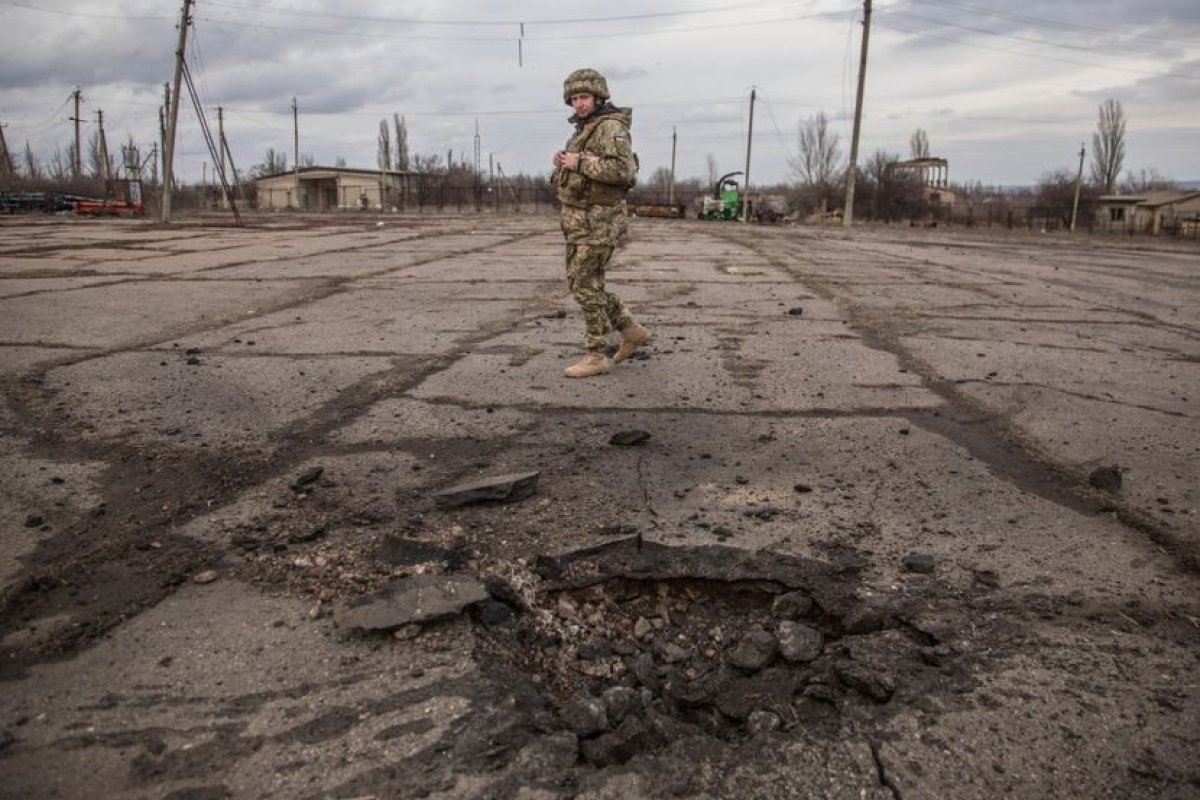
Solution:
(1041, 21)
(28, 7)
(491, 23)
(1092, 64)
(1016, 37)
(590, 35)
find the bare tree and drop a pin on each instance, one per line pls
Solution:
(918, 144)
(273, 163)
(383, 148)
(62, 164)
(713, 172)
(1147, 180)
(660, 181)
(819, 164)
(307, 160)
(885, 193)
(1108, 146)
(1055, 196)
(402, 154)
(32, 171)
(100, 163)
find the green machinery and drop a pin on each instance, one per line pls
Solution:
(726, 204)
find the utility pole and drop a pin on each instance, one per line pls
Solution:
(221, 149)
(478, 154)
(102, 145)
(852, 171)
(6, 165)
(162, 130)
(746, 176)
(173, 114)
(1078, 183)
(296, 152)
(671, 185)
(78, 165)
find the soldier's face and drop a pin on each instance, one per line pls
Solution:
(583, 103)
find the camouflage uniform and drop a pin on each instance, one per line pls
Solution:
(593, 209)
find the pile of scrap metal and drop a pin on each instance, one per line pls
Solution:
(124, 200)
(35, 202)
(665, 210)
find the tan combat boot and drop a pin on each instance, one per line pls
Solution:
(633, 336)
(591, 364)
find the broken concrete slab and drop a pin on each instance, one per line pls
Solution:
(414, 599)
(510, 488)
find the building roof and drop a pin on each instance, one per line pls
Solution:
(333, 172)
(1152, 199)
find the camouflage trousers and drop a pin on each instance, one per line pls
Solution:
(602, 310)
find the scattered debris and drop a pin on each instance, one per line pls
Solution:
(795, 312)
(500, 488)
(208, 576)
(34, 521)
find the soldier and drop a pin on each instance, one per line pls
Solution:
(593, 173)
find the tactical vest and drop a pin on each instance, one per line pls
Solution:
(575, 188)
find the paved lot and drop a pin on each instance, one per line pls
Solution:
(974, 457)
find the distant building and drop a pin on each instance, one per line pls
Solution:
(934, 176)
(1160, 211)
(328, 188)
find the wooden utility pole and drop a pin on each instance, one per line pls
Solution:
(102, 145)
(671, 185)
(1078, 183)
(746, 176)
(78, 165)
(221, 140)
(6, 164)
(296, 152)
(852, 169)
(221, 152)
(185, 19)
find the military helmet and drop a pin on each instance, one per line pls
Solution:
(585, 80)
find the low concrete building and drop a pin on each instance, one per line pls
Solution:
(328, 188)
(1160, 211)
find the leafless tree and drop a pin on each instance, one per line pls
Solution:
(383, 151)
(714, 172)
(660, 181)
(62, 163)
(1147, 180)
(887, 194)
(1056, 196)
(307, 160)
(819, 163)
(100, 163)
(918, 144)
(32, 170)
(1108, 146)
(273, 163)
(402, 154)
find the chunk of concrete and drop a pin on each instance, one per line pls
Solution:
(414, 599)
(499, 488)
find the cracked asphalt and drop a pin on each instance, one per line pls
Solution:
(1019, 411)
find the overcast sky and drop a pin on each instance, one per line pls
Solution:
(1005, 91)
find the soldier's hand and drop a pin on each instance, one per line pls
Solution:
(566, 160)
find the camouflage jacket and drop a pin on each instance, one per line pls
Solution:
(607, 165)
